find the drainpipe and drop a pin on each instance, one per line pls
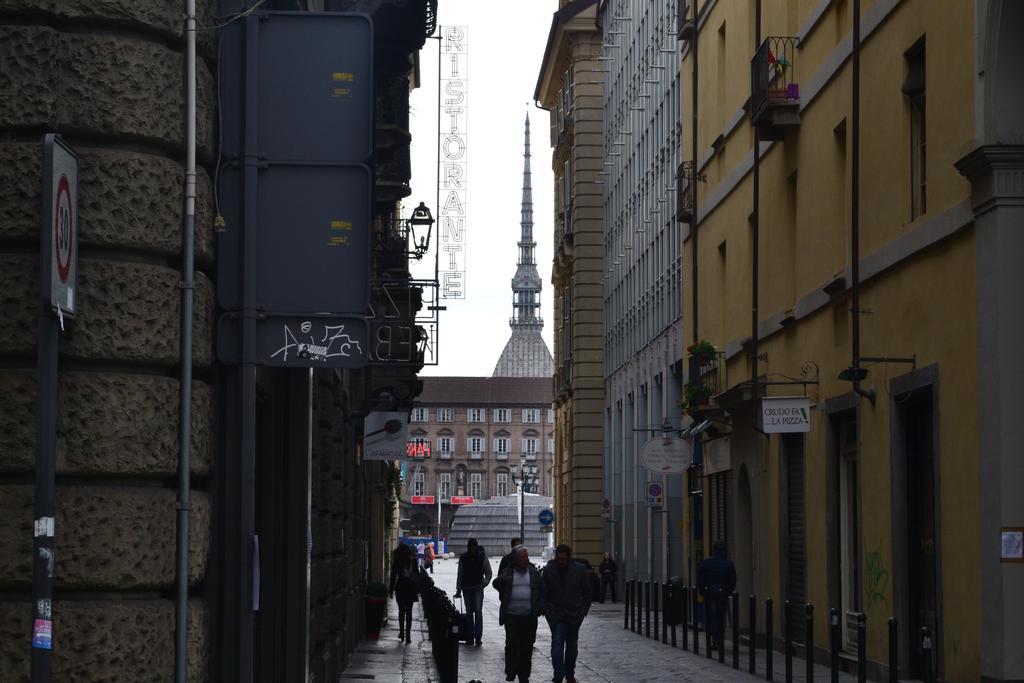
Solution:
(187, 286)
(855, 209)
(755, 232)
(695, 173)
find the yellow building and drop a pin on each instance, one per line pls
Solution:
(904, 495)
(569, 86)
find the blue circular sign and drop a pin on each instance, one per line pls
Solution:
(546, 517)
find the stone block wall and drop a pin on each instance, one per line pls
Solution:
(107, 75)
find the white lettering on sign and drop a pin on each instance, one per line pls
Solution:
(786, 414)
(452, 175)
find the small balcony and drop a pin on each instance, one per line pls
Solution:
(501, 456)
(706, 380)
(474, 455)
(445, 455)
(774, 92)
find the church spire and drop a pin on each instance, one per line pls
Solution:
(526, 284)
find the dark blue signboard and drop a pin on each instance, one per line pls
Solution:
(299, 342)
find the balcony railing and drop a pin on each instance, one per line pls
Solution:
(774, 92)
(501, 456)
(445, 455)
(706, 379)
(476, 455)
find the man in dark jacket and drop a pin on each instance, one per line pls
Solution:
(566, 603)
(474, 574)
(609, 576)
(716, 578)
(521, 592)
(507, 561)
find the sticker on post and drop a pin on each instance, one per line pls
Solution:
(42, 634)
(44, 526)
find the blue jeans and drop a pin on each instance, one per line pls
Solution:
(564, 637)
(475, 606)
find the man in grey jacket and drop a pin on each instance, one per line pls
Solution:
(566, 602)
(521, 591)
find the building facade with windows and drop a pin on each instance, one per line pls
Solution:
(642, 281)
(862, 259)
(472, 437)
(570, 86)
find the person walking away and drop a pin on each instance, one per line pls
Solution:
(428, 557)
(566, 603)
(716, 578)
(474, 574)
(609, 576)
(521, 592)
(404, 588)
(420, 554)
(508, 559)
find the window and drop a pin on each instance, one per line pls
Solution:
(445, 415)
(551, 445)
(551, 416)
(914, 89)
(502, 445)
(476, 485)
(445, 444)
(445, 486)
(530, 445)
(420, 415)
(502, 414)
(531, 415)
(502, 480)
(475, 444)
(476, 415)
(419, 483)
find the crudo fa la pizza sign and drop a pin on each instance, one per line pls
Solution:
(786, 414)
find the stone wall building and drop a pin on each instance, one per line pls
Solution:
(571, 87)
(107, 76)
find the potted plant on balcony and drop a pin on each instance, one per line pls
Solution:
(695, 395)
(376, 606)
(703, 349)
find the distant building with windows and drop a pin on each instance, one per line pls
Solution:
(471, 437)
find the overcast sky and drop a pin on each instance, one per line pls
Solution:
(506, 45)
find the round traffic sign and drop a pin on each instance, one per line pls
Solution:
(546, 517)
(62, 227)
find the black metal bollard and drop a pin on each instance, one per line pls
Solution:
(647, 608)
(809, 641)
(787, 627)
(708, 639)
(735, 630)
(696, 623)
(835, 637)
(752, 649)
(927, 670)
(665, 606)
(625, 611)
(862, 649)
(769, 646)
(894, 650)
(686, 618)
(657, 608)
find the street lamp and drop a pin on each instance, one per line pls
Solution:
(418, 229)
(526, 482)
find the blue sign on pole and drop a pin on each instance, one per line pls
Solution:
(546, 517)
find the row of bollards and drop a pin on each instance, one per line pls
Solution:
(673, 605)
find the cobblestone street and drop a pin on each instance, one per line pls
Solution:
(607, 652)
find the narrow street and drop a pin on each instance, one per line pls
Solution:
(607, 652)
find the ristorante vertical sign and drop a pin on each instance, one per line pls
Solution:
(453, 155)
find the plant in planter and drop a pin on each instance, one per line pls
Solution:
(695, 396)
(376, 606)
(701, 349)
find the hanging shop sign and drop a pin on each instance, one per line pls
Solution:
(786, 414)
(385, 435)
(453, 114)
(716, 456)
(666, 455)
(417, 450)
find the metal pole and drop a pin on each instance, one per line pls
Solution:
(809, 641)
(647, 608)
(657, 610)
(862, 648)
(735, 597)
(834, 637)
(665, 606)
(686, 618)
(894, 650)
(755, 247)
(855, 195)
(769, 646)
(185, 350)
(788, 629)
(693, 180)
(625, 611)
(45, 487)
(752, 646)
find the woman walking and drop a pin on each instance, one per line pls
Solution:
(404, 587)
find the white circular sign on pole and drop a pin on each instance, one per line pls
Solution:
(666, 455)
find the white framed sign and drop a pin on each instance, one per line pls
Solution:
(786, 414)
(385, 435)
(666, 455)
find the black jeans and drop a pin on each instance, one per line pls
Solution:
(520, 634)
(404, 618)
(606, 581)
